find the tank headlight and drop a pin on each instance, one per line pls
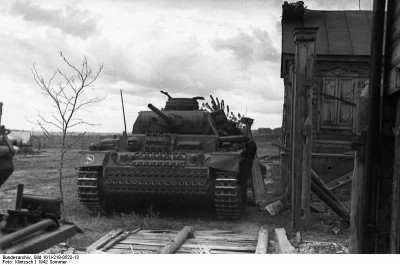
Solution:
(192, 160)
(92, 147)
(114, 156)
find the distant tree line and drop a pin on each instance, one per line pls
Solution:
(79, 142)
(267, 131)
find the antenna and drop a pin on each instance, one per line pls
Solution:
(123, 110)
(1, 111)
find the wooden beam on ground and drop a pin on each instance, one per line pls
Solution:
(262, 242)
(284, 245)
(104, 240)
(42, 240)
(178, 240)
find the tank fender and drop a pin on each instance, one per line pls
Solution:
(227, 161)
(92, 159)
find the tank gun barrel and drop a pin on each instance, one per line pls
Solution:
(167, 118)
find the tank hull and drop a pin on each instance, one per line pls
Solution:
(109, 182)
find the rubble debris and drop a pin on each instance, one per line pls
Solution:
(314, 247)
(275, 207)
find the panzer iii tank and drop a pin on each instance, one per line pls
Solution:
(173, 154)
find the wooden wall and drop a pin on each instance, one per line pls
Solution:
(392, 81)
(328, 140)
(335, 140)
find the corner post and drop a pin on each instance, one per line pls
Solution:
(302, 125)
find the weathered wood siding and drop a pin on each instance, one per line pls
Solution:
(393, 81)
(331, 139)
(337, 139)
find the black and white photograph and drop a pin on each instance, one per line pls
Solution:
(199, 127)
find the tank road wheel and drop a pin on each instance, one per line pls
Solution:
(88, 190)
(228, 195)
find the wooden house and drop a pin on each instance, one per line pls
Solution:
(341, 69)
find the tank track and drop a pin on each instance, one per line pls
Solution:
(228, 197)
(88, 192)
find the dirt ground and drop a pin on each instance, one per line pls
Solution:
(39, 174)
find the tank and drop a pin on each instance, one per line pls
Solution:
(175, 154)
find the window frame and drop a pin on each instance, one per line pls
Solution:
(339, 74)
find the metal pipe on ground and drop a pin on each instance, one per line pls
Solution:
(9, 240)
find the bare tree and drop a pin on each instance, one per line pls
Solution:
(66, 91)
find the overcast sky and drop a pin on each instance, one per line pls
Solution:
(230, 49)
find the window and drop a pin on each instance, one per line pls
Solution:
(338, 101)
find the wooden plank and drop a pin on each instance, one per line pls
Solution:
(394, 79)
(136, 247)
(155, 242)
(229, 237)
(222, 243)
(118, 239)
(283, 243)
(42, 241)
(306, 172)
(339, 182)
(186, 245)
(165, 232)
(395, 216)
(157, 232)
(221, 247)
(213, 232)
(104, 240)
(323, 192)
(146, 242)
(262, 242)
(211, 237)
(346, 156)
(129, 251)
(205, 250)
(257, 180)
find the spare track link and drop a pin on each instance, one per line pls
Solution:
(228, 199)
(88, 192)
